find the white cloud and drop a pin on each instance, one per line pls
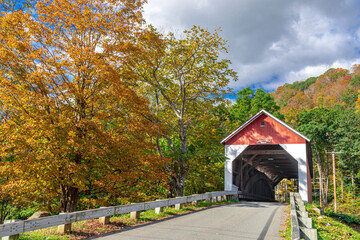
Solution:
(308, 71)
(314, 71)
(271, 42)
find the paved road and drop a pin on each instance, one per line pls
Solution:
(244, 220)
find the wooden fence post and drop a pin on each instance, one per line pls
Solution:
(65, 228)
(104, 220)
(159, 210)
(195, 203)
(210, 198)
(135, 215)
(178, 206)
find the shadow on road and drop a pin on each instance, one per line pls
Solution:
(267, 225)
(127, 228)
(255, 204)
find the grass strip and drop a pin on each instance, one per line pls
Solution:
(330, 228)
(286, 232)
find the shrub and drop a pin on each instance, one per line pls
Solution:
(345, 217)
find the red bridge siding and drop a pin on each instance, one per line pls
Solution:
(272, 133)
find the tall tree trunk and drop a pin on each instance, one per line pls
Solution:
(322, 167)
(326, 182)
(4, 210)
(69, 198)
(172, 187)
(320, 193)
(182, 159)
(323, 182)
(342, 189)
(352, 186)
(321, 186)
(173, 170)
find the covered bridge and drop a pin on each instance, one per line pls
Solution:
(262, 152)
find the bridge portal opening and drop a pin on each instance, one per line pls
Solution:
(259, 168)
(262, 152)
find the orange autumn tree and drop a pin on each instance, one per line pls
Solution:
(70, 123)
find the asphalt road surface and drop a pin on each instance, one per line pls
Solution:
(244, 220)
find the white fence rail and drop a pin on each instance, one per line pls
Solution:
(10, 229)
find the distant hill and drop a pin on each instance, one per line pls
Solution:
(335, 86)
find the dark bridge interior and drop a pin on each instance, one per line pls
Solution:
(259, 168)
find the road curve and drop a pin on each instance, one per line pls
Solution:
(244, 220)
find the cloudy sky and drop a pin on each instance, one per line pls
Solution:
(271, 42)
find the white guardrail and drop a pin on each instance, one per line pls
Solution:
(19, 227)
(301, 224)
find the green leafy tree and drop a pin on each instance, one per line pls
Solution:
(350, 96)
(319, 125)
(206, 154)
(184, 78)
(355, 81)
(302, 85)
(249, 102)
(241, 110)
(348, 141)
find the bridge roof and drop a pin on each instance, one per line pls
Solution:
(255, 117)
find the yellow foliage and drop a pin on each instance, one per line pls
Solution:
(69, 119)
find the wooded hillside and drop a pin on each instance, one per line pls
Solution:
(335, 86)
(326, 109)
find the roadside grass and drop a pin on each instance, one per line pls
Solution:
(90, 228)
(327, 227)
(331, 228)
(348, 218)
(286, 232)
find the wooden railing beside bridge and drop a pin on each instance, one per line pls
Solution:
(64, 219)
(301, 224)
